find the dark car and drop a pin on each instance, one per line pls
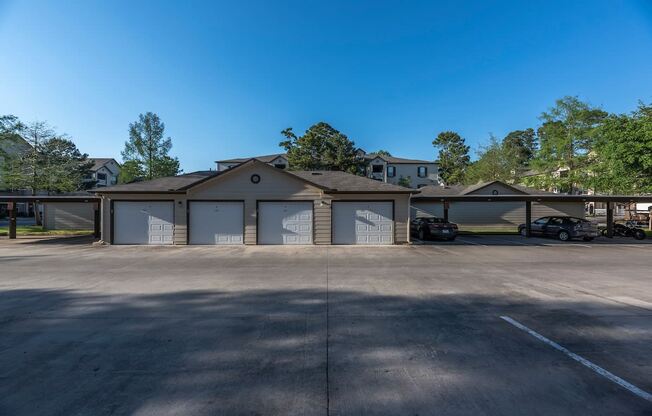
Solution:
(433, 227)
(563, 228)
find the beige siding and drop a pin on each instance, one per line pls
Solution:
(495, 214)
(401, 211)
(274, 185)
(68, 216)
(322, 220)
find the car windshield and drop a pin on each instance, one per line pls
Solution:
(434, 220)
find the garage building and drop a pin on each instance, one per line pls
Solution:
(486, 215)
(254, 203)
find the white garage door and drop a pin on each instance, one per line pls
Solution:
(216, 222)
(285, 222)
(363, 223)
(143, 222)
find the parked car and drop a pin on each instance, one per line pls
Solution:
(433, 227)
(562, 227)
(629, 229)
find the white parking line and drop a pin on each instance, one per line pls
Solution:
(604, 373)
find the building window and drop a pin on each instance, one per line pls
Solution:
(279, 165)
(391, 171)
(377, 168)
(101, 176)
(422, 171)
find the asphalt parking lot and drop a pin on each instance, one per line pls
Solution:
(403, 330)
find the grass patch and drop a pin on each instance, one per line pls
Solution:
(39, 230)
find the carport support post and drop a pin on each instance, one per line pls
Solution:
(610, 219)
(528, 218)
(12, 219)
(446, 206)
(96, 219)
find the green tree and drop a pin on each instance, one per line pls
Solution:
(453, 157)
(492, 164)
(566, 138)
(519, 147)
(64, 167)
(321, 148)
(24, 170)
(11, 145)
(381, 153)
(405, 181)
(147, 148)
(131, 171)
(622, 155)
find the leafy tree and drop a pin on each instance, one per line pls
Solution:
(519, 148)
(381, 153)
(405, 181)
(566, 138)
(11, 143)
(64, 167)
(147, 148)
(453, 156)
(321, 148)
(492, 164)
(25, 170)
(131, 171)
(622, 155)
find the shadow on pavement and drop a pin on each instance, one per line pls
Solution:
(265, 352)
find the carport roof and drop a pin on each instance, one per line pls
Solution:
(169, 184)
(435, 190)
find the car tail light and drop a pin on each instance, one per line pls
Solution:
(436, 225)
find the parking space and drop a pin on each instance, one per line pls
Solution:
(517, 240)
(325, 330)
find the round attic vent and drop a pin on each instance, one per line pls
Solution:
(255, 178)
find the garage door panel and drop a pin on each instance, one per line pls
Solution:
(288, 222)
(362, 222)
(143, 222)
(216, 222)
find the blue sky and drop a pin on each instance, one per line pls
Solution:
(227, 77)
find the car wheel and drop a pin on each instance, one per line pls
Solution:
(523, 232)
(588, 238)
(639, 234)
(422, 234)
(563, 235)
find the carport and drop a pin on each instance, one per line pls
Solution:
(609, 200)
(50, 199)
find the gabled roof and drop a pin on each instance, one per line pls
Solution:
(169, 184)
(434, 190)
(264, 158)
(337, 181)
(13, 145)
(397, 160)
(328, 181)
(98, 162)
